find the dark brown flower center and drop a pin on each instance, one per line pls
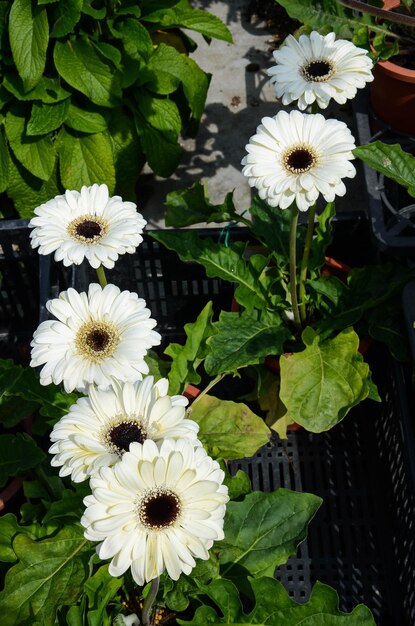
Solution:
(318, 71)
(96, 340)
(124, 433)
(88, 229)
(159, 508)
(299, 159)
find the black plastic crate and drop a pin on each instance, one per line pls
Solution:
(362, 540)
(19, 289)
(391, 209)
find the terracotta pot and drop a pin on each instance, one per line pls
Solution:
(392, 93)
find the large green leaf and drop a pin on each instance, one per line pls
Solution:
(263, 531)
(86, 159)
(192, 206)
(64, 17)
(323, 237)
(21, 382)
(391, 160)
(18, 453)
(161, 113)
(47, 90)
(273, 606)
(29, 37)
(128, 155)
(229, 430)
(166, 60)
(243, 340)
(194, 19)
(323, 382)
(50, 574)
(219, 260)
(271, 225)
(9, 528)
(78, 62)
(47, 117)
(27, 191)
(100, 589)
(187, 358)
(85, 120)
(161, 149)
(36, 154)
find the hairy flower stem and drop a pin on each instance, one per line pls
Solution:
(304, 261)
(101, 276)
(293, 265)
(208, 387)
(149, 601)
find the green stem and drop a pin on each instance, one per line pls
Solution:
(101, 276)
(293, 264)
(149, 601)
(208, 388)
(304, 261)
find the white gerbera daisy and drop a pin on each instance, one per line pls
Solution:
(99, 429)
(87, 224)
(99, 336)
(157, 509)
(318, 68)
(295, 157)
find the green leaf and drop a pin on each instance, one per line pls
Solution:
(192, 206)
(163, 153)
(18, 453)
(47, 117)
(271, 225)
(229, 430)
(128, 155)
(37, 155)
(17, 381)
(64, 17)
(69, 507)
(243, 340)
(390, 160)
(47, 90)
(85, 120)
(323, 237)
(4, 161)
(330, 287)
(274, 606)
(161, 113)
(86, 159)
(323, 382)
(158, 368)
(387, 324)
(136, 39)
(27, 191)
(88, 9)
(29, 37)
(9, 528)
(50, 574)
(185, 359)
(328, 16)
(166, 62)
(238, 485)
(78, 62)
(198, 20)
(220, 261)
(263, 531)
(101, 589)
(188, 587)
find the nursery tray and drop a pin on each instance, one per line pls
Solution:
(19, 289)
(362, 540)
(391, 209)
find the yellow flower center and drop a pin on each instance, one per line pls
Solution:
(88, 229)
(299, 159)
(96, 341)
(317, 71)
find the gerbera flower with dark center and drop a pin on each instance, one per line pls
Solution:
(87, 225)
(295, 157)
(318, 68)
(97, 337)
(159, 508)
(99, 429)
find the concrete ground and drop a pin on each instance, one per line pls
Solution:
(239, 96)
